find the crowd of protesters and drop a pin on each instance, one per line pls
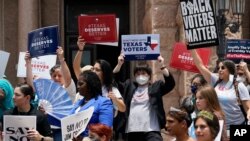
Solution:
(137, 103)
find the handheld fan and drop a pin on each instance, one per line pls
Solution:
(53, 98)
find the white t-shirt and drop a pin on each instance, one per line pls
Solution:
(71, 89)
(228, 100)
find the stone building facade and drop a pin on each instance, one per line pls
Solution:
(18, 17)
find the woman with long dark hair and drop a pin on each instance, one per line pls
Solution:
(230, 93)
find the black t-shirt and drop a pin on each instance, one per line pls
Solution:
(42, 123)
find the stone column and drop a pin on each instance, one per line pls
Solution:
(28, 19)
(160, 18)
(8, 35)
(1, 24)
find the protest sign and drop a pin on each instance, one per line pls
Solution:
(141, 46)
(4, 57)
(40, 66)
(182, 59)
(75, 124)
(199, 23)
(238, 49)
(98, 28)
(111, 43)
(43, 41)
(16, 127)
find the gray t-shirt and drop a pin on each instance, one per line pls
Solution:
(228, 100)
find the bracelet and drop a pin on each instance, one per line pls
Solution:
(81, 50)
(62, 60)
(163, 67)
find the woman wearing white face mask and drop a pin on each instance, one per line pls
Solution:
(144, 116)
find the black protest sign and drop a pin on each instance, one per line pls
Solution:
(199, 23)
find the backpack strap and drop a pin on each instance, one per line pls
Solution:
(237, 92)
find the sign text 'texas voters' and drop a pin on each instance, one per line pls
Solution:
(141, 46)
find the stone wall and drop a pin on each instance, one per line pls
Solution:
(160, 18)
(164, 17)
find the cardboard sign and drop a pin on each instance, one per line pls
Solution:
(75, 124)
(141, 46)
(182, 59)
(16, 127)
(199, 23)
(40, 66)
(98, 28)
(4, 57)
(238, 49)
(43, 41)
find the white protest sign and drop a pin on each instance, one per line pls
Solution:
(218, 137)
(141, 46)
(4, 57)
(75, 124)
(40, 66)
(16, 127)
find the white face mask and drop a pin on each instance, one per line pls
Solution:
(241, 79)
(142, 79)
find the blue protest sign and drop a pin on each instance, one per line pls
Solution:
(43, 41)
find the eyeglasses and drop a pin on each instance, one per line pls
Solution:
(221, 67)
(196, 84)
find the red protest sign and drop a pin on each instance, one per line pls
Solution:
(182, 59)
(98, 28)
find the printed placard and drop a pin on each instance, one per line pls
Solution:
(141, 46)
(182, 58)
(75, 124)
(40, 66)
(4, 57)
(98, 28)
(199, 23)
(238, 49)
(43, 41)
(16, 127)
(111, 43)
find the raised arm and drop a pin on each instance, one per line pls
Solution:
(119, 63)
(169, 83)
(78, 57)
(163, 66)
(202, 68)
(246, 71)
(64, 67)
(29, 74)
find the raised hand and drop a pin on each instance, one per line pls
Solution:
(60, 54)
(81, 43)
